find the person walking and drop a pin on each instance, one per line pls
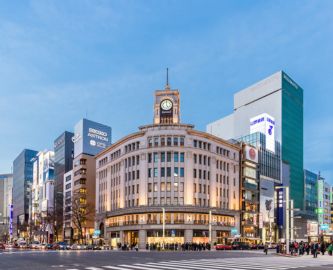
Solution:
(315, 250)
(266, 249)
(323, 248)
(330, 249)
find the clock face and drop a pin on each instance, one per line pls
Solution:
(166, 104)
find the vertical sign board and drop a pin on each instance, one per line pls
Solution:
(265, 124)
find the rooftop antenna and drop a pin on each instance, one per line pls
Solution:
(167, 79)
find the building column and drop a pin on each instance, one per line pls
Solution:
(142, 239)
(214, 236)
(121, 236)
(188, 236)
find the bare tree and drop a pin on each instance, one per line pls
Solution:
(81, 214)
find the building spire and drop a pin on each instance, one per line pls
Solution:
(167, 86)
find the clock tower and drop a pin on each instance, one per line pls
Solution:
(167, 106)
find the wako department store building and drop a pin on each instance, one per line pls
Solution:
(168, 166)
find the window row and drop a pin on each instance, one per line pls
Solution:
(202, 174)
(166, 172)
(115, 155)
(201, 159)
(166, 187)
(166, 201)
(166, 156)
(200, 188)
(166, 141)
(132, 146)
(132, 161)
(132, 175)
(201, 145)
(134, 189)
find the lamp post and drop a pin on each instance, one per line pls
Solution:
(287, 215)
(163, 225)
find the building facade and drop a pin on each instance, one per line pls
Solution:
(67, 212)
(89, 139)
(269, 175)
(167, 183)
(63, 163)
(22, 181)
(42, 196)
(6, 206)
(324, 205)
(282, 99)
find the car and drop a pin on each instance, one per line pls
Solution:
(223, 247)
(63, 246)
(2, 246)
(35, 245)
(240, 245)
(22, 244)
(93, 247)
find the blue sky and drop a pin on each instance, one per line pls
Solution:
(64, 60)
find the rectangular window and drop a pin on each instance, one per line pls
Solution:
(175, 157)
(168, 156)
(182, 157)
(155, 141)
(169, 141)
(162, 186)
(162, 156)
(162, 172)
(168, 171)
(149, 158)
(195, 143)
(181, 172)
(155, 157)
(175, 187)
(137, 160)
(149, 172)
(194, 187)
(168, 186)
(182, 141)
(155, 172)
(162, 141)
(181, 187)
(195, 158)
(176, 172)
(194, 173)
(150, 189)
(155, 187)
(175, 141)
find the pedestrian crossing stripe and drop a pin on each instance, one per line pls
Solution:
(242, 263)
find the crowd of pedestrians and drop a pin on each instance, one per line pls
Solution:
(302, 248)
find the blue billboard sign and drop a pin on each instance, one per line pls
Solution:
(91, 137)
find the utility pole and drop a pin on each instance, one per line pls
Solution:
(210, 227)
(163, 225)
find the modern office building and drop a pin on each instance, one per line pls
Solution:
(42, 194)
(310, 194)
(324, 205)
(63, 163)
(90, 138)
(6, 206)
(168, 183)
(269, 175)
(22, 181)
(67, 212)
(274, 104)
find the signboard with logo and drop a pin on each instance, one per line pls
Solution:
(90, 137)
(267, 201)
(265, 124)
(251, 153)
(312, 228)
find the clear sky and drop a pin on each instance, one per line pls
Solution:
(63, 60)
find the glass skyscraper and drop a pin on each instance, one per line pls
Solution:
(282, 99)
(22, 181)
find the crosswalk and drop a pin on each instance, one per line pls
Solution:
(242, 263)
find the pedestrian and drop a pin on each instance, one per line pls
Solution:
(323, 248)
(330, 249)
(266, 249)
(315, 250)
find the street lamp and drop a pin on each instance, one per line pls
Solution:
(163, 225)
(287, 215)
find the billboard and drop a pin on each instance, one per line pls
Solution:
(251, 153)
(90, 137)
(312, 228)
(267, 201)
(265, 124)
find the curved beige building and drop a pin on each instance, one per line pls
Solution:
(191, 176)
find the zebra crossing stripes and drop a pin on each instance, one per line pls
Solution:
(244, 263)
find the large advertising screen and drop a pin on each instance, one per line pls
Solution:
(265, 124)
(267, 201)
(91, 137)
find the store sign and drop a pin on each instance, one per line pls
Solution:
(324, 227)
(265, 124)
(251, 153)
(234, 231)
(312, 228)
(261, 222)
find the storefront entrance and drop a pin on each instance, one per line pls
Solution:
(131, 238)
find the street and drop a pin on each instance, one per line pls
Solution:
(131, 260)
